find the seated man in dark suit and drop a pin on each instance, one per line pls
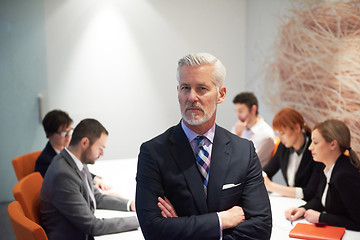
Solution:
(198, 180)
(68, 201)
(58, 129)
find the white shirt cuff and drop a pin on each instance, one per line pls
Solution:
(128, 206)
(299, 193)
(220, 224)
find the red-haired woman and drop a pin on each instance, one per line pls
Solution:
(293, 158)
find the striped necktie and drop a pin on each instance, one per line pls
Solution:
(203, 161)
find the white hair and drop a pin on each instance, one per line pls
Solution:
(198, 59)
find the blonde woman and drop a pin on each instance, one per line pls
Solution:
(338, 195)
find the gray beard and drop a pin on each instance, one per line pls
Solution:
(200, 121)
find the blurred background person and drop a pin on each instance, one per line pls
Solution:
(58, 129)
(293, 158)
(68, 200)
(338, 196)
(252, 126)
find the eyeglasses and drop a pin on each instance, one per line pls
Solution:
(67, 133)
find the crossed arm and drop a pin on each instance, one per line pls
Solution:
(229, 218)
(159, 218)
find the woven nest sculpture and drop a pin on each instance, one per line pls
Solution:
(316, 64)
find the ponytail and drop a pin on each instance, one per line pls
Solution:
(354, 160)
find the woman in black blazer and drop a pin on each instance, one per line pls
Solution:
(293, 158)
(337, 200)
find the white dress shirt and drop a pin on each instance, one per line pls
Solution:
(293, 166)
(263, 137)
(327, 173)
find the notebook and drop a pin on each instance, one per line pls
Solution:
(316, 232)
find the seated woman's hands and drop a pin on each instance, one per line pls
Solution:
(293, 214)
(310, 215)
(267, 182)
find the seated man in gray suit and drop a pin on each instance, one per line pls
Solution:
(68, 201)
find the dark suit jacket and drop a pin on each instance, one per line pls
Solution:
(45, 158)
(342, 205)
(308, 174)
(167, 167)
(67, 211)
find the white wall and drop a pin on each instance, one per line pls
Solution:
(263, 21)
(116, 61)
(262, 26)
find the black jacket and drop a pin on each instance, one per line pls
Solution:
(308, 174)
(342, 205)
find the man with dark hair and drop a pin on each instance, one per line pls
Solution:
(92, 130)
(197, 180)
(68, 201)
(252, 126)
(58, 129)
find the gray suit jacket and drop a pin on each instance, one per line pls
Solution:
(66, 209)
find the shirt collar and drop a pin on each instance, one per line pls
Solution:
(328, 172)
(78, 163)
(56, 151)
(192, 135)
(301, 150)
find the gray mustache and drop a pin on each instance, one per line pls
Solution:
(194, 105)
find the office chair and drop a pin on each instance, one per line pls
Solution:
(23, 227)
(277, 142)
(26, 192)
(25, 164)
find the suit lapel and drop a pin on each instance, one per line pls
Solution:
(184, 157)
(220, 158)
(71, 162)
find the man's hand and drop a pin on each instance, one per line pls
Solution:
(232, 217)
(100, 184)
(239, 127)
(167, 209)
(132, 206)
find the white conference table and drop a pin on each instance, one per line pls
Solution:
(120, 174)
